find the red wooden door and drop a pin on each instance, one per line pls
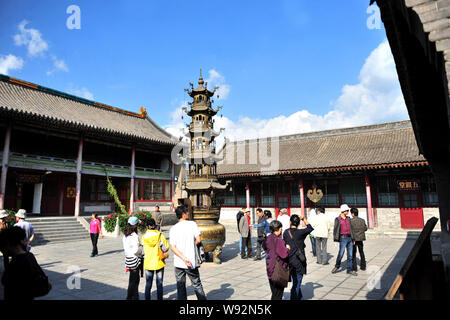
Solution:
(50, 195)
(69, 187)
(411, 212)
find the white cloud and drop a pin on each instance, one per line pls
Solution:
(59, 65)
(31, 38)
(216, 79)
(177, 123)
(10, 62)
(83, 92)
(376, 98)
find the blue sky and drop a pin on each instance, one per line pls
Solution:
(273, 58)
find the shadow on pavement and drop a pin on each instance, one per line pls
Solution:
(110, 252)
(225, 292)
(382, 283)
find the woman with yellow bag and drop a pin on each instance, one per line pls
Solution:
(156, 250)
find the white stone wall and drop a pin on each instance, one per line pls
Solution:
(149, 206)
(429, 213)
(389, 218)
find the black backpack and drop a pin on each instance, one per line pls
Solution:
(239, 215)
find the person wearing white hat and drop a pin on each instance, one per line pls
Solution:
(3, 215)
(284, 219)
(343, 234)
(245, 231)
(26, 226)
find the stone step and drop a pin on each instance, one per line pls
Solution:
(60, 234)
(57, 229)
(59, 239)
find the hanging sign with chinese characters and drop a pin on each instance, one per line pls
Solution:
(29, 178)
(408, 185)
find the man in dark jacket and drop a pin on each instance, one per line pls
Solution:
(260, 233)
(359, 228)
(343, 233)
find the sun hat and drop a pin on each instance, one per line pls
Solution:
(344, 207)
(133, 221)
(21, 214)
(284, 210)
(247, 210)
(3, 214)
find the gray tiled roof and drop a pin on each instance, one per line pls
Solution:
(388, 144)
(46, 104)
(435, 16)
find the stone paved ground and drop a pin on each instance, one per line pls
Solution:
(104, 277)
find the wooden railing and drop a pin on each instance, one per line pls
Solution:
(48, 163)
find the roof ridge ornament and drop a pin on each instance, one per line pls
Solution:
(143, 113)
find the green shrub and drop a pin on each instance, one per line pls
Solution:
(140, 214)
(10, 219)
(109, 222)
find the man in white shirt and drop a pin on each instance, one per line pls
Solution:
(311, 216)
(26, 226)
(184, 237)
(284, 219)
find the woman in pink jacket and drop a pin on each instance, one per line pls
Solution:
(95, 227)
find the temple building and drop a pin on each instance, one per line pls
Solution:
(375, 168)
(58, 148)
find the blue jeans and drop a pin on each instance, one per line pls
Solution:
(313, 245)
(296, 291)
(159, 283)
(345, 243)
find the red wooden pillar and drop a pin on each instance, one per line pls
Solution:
(78, 183)
(61, 195)
(369, 203)
(247, 194)
(5, 160)
(133, 174)
(302, 198)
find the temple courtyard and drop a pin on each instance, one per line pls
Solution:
(75, 275)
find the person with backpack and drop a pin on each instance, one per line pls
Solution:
(156, 250)
(23, 278)
(184, 237)
(295, 240)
